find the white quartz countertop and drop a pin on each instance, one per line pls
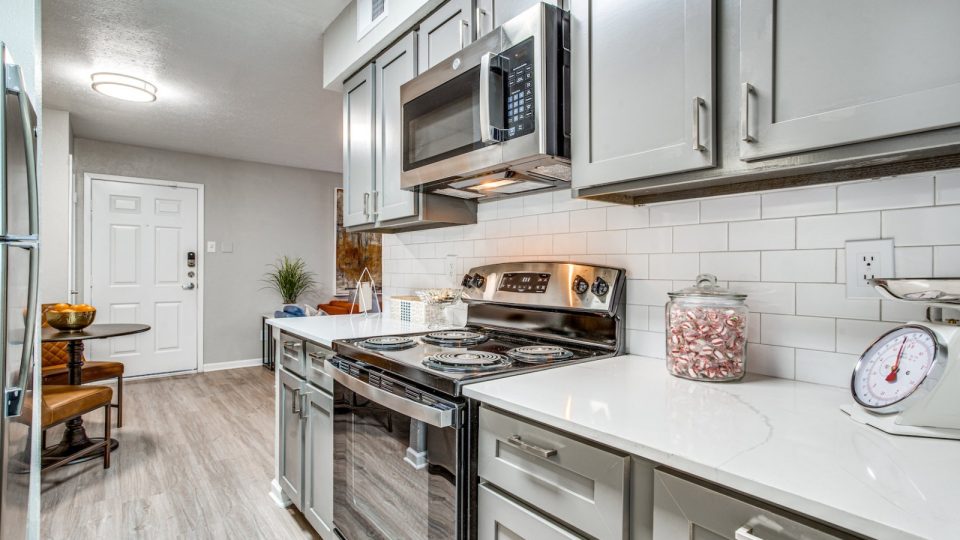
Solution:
(783, 441)
(325, 329)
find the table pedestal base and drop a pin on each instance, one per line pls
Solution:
(56, 453)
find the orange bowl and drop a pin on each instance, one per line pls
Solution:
(71, 320)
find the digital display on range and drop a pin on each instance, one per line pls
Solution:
(524, 282)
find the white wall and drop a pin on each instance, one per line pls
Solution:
(264, 210)
(784, 249)
(55, 206)
(20, 31)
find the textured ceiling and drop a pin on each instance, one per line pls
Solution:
(237, 78)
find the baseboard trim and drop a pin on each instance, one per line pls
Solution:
(218, 366)
(278, 496)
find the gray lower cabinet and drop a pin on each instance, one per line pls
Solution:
(444, 32)
(318, 461)
(359, 163)
(291, 436)
(581, 485)
(687, 509)
(502, 518)
(643, 88)
(395, 66)
(824, 73)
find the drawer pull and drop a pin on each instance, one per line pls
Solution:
(745, 533)
(533, 449)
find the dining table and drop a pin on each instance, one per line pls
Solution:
(74, 436)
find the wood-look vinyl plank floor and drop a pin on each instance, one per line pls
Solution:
(195, 462)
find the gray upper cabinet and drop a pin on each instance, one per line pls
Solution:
(445, 32)
(643, 89)
(395, 66)
(823, 73)
(318, 461)
(492, 13)
(358, 149)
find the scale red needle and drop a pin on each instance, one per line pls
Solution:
(892, 376)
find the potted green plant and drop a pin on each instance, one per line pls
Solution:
(290, 278)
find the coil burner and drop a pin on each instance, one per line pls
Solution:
(454, 338)
(388, 343)
(539, 354)
(466, 361)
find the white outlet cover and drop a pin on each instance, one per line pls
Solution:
(882, 268)
(211, 246)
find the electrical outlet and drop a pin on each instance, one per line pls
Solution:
(867, 259)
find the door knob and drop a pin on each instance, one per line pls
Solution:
(189, 286)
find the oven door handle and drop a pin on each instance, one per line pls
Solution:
(486, 129)
(418, 411)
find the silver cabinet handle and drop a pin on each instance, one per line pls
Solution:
(464, 27)
(296, 406)
(745, 533)
(698, 103)
(376, 203)
(481, 14)
(745, 92)
(431, 415)
(485, 128)
(366, 203)
(533, 449)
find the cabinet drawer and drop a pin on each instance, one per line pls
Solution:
(580, 484)
(290, 353)
(499, 518)
(317, 355)
(684, 508)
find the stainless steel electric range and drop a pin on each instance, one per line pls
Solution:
(405, 437)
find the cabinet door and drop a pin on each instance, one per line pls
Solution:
(493, 13)
(824, 73)
(501, 518)
(394, 67)
(684, 509)
(444, 32)
(358, 154)
(642, 97)
(318, 461)
(291, 437)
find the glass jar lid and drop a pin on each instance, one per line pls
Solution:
(706, 287)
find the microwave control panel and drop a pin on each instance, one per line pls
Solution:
(518, 63)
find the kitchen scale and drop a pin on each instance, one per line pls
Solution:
(908, 381)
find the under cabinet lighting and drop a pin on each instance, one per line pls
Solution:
(123, 87)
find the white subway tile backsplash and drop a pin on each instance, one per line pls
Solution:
(765, 234)
(948, 186)
(628, 217)
(657, 240)
(783, 249)
(854, 336)
(808, 266)
(821, 367)
(799, 202)
(710, 237)
(739, 208)
(897, 192)
(770, 360)
(922, 226)
(666, 266)
(830, 300)
(684, 213)
(834, 230)
(803, 332)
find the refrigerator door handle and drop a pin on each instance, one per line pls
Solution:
(15, 396)
(30, 151)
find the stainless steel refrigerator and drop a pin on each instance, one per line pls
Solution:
(19, 273)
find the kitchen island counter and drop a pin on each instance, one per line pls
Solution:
(779, 440)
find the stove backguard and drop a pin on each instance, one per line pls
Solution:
(577, 328)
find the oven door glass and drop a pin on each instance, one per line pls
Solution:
(395, 477)
(446, 121)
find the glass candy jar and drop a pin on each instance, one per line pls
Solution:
(707, 332)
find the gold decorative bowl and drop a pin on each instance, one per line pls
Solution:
(71, 321)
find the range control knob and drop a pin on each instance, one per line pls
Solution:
(580, 285)
(479, 281)
(600, 287)
(467, 281)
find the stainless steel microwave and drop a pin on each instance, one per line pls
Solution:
(494, 119)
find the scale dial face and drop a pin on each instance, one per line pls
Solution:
(894, 367)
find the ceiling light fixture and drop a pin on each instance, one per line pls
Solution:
(123, 87)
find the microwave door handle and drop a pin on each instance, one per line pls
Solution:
(435, 417)
(485, 128)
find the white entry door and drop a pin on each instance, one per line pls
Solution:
(141, 236)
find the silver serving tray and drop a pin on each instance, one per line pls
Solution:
(943, 292)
